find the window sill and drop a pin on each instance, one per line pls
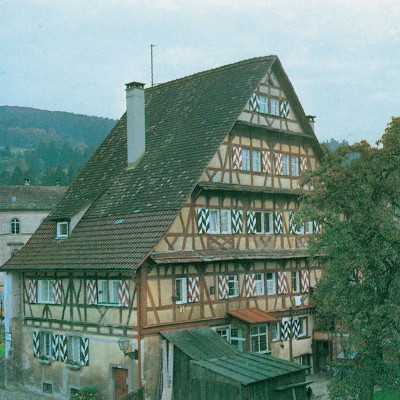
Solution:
(108, 304)
(44, 361)
(303, 337)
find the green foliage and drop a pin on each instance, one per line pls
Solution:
(356, 198)
(87, 393)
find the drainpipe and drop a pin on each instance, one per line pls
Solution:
(291, 335)
(139, 328)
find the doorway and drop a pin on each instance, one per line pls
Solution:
(121, 384)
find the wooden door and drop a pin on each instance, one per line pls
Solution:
(121, 387)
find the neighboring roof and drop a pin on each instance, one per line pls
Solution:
(30, 197)
(200, 344)
(248, 368)
(186, 122)
(192, 256)
(252, 315)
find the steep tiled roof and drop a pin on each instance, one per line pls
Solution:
(29, 197)
(186, 122)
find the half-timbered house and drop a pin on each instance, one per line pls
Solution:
(184, 217)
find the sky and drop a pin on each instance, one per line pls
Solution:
(342, 57)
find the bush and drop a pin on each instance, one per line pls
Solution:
(87, 393)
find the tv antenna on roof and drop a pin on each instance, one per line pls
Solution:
(151, 51)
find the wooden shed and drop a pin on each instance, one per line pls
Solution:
(205, 366)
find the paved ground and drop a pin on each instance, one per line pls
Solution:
(6, 394)
(320, 386)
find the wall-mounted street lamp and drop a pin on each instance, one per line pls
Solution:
(123, 343)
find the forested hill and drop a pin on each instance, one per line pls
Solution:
(48, 147)
(27, 127)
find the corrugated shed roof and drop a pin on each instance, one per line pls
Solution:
(200, 344)
(30, 197)
(248, 368)
(252, 315)
(186, 122)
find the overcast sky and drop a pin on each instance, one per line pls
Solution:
(342, 57)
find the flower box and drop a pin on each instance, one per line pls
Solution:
(45, 360)
(73, 366)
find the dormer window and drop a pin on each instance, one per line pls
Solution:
(62, 229)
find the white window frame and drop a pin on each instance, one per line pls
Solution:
(285, 164)
(271, 282)
(259, 284)
(274, 107)
(183, 287)
(74, 348)
(294, 165)
(45, 344)
(47, 289)
(105, 298)
(62, 224)
(256, 160)
(263, 102)
(300, 228)
(15, 226)
(224, 331)
(246, 159)
(214, 221)
(277, 337)
(255, 338)
(268, 229)
(295, 281)
(226, 221)
(233, 286)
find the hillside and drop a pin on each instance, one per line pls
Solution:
(48, 147)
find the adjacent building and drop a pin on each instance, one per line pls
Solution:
(184, 218)
(22, 209)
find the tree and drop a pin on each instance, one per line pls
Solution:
(356, 200)
(17, 177)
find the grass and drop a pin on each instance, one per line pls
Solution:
(2, 349)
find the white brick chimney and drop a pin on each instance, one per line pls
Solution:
(136, 142)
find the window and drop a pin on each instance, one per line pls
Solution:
(62, 229)
(271, 283)
(223, 332)
(295, 281)
(295, 165)
(259, 338)
(285, 164)
(181, 290)
(108, 291)
(275, 332)
(259, 282)
(237, 336)
(74, 348)
(309, 227)
(233, 286)
(45, 291)
(214, 221)
(256, 161)
(45, 344)
(263, 101)
(274, 107)
(226, 221)
(246, 159)
(47, 387)
(303, 327)
(300, 228)
(268, 222)
(258, 219)
(15, 226)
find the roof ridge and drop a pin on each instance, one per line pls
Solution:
(207, 71)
